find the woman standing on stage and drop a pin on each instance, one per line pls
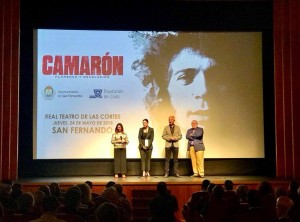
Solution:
(146, 136)
(119, 139)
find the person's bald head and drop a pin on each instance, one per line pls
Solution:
(194, 124)
(283, 205)
(171, 120)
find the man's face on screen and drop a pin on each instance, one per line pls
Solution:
(187, 86)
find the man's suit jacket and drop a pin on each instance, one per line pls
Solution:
(150, 137)
(196, 138)
(166, 135)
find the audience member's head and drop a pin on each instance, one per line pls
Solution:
(283, 206)
(55, 189)
(46, 190)
(241, 192)
(119, 188)
(205, 184)
(253, 197)
(265, 187)
(25, 202)
(90, 183)
(111, 195)
(293, 186)
(107, 212)
(228, 185)
(86, 194)
(72, 198)
(110, 184)
(217, 192)
(15, 193)
(162, 188)
(5, 190)
(210, 187)
(38, 198)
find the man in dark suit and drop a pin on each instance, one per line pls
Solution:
(196, 148)
(171, 135)
(146, 136)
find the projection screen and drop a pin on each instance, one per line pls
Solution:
(88, 81)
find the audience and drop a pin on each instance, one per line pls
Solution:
(212, 202)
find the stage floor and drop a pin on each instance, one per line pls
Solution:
(135, 180)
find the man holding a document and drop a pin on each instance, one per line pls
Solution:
(146, 136)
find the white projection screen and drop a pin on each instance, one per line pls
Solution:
(88, 81)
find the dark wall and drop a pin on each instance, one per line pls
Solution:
(143, 15)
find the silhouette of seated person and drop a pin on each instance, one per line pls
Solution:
(72, 204)
(107, 212)
(90, 183)
(9, 205)
(192, 210)
(56, 191)
(100, 199)
(241, 192)
(25, 205)
(164, 205)
(49, 208)
(283, 206)
(254, 212)
(111, 195)
(217, 208)
(38, 200)
(230, 197)
(86, 197)
(229, 192)
(292, 192)
(124, 202)
(268, 201)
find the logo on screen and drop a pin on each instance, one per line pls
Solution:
(48, 92)
(97, 93)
